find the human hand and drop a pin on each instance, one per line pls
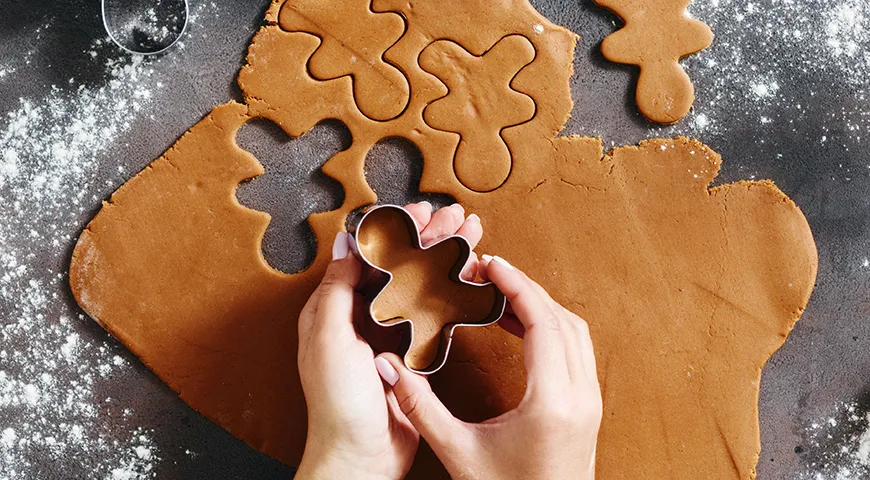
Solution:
(553, 432)
(355, 426)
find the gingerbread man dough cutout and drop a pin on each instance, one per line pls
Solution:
(380, 89)
(424, 286)
(477, 111)
(656, 35)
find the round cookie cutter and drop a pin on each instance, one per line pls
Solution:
(465, 252)
(128, 46)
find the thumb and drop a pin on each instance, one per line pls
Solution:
(336, 290)
(443, 432)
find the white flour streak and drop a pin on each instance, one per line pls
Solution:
(846, 28)
(759, 49)
(839, 447)
(51, 373)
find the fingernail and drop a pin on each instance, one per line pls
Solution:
(426, 204)
(458, 206)
(351, 241)
(486, 258)
(503, 262)
(474, 217)
(340, 247)
(386, 371)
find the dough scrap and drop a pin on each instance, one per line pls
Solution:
(425, 289)
(687, 290)
(353, 48)
(477, 111)
(656, 35)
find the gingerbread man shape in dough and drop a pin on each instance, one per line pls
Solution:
(477, 111)
(424, 286)
(380, 89)
(656, 35)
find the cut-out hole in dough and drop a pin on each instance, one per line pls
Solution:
(399, 166)
(294, 170)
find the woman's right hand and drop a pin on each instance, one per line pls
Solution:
(552, 434)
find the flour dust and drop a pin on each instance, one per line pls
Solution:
(52, 371)
(838, 447)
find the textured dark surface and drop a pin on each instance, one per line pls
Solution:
(824, 363)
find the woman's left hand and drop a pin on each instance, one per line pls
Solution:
(355, 426)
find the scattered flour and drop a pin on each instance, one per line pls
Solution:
(846, 28)
(759, 47)
(136, 462)
(155, 29)
(765, 89)
(54, 370)
(49, 373)
(838, 448)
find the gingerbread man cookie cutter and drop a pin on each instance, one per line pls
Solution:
(435, 292)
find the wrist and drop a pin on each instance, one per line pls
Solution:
(332, 463)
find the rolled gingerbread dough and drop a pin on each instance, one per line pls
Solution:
(688, 290)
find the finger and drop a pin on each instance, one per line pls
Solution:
(543, 293)
(336, 291)
(481, 270)
(471, 230)
(469, 272)
(570, 334)
(575, 351)
(422, 213)
(587, 350)
(543, 343)
(444, 222)
(307, 317)
(482, 265)
(443, 432)
(573, 347)
(396, 412)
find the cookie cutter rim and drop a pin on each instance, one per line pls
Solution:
(465, 253)
(145, 52)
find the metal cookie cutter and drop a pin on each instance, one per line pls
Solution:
(458, 302)
(140, 26)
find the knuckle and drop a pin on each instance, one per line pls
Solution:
(458, 218)
(551, 321)
(579, 323)
(589, 419)
(588, 410)
(330, 280)
(321, 338)
(581, 327)
(411, 406)
(561, 416)
(597, 410)
(564, 413)
(555, 411)
(556, 420)
(330, 285)
(580, 410)
(306, 321)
